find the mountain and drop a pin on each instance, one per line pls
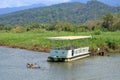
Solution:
(14, 9)
(74, 12)
(109, 2)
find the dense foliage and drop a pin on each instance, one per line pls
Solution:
(65, 12)
(109, 22)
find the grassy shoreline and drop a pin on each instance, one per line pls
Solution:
(36, 41)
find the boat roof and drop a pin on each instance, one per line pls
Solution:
(68, 37)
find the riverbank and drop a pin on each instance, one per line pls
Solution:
(107, 42)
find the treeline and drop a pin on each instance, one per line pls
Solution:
(108, 22)
(38, 27)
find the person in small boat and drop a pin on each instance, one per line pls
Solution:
(30, 65)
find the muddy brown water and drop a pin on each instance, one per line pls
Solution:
(13, 67)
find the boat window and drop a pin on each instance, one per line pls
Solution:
(56, 51)
(80, 51)
(76, 51)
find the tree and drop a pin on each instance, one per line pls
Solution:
(116, 26)
(108, 21)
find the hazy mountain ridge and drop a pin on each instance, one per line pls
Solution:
(71, 12)
(14, 9)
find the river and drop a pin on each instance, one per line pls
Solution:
(13, 67)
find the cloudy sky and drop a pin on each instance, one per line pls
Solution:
(17, 3)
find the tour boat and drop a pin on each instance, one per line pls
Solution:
(68, 53)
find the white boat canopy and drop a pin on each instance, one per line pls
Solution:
(68, 37)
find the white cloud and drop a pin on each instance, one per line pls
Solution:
(17, 3)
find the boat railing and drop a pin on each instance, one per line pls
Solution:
(72, 48)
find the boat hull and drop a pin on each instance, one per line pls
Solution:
(55, 59)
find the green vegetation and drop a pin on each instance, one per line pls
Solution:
(108, 41)
(109, 22)
(71, 12)
(105, 33)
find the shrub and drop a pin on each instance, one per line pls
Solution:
(97, 32)
(112, 44)
(36, 30)
(18, 29)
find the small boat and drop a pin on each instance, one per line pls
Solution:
(33, 66)
(70, 52)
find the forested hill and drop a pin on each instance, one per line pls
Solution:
(70, 12)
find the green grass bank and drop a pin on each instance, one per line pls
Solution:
(106, 41)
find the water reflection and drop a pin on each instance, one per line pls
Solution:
(13, 67)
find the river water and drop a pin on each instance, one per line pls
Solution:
(13, 67)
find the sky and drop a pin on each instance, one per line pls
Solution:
(18, 3)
